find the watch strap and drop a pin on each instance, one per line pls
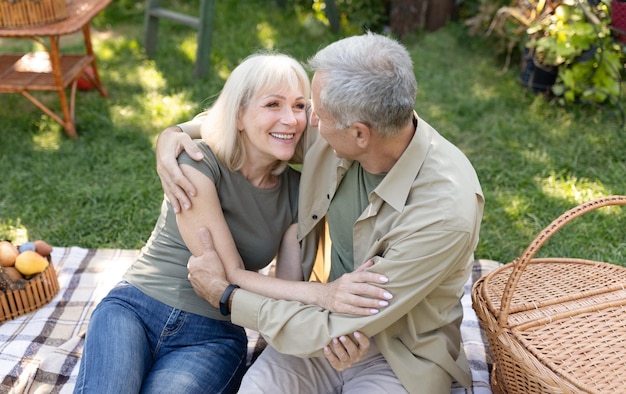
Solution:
(224, 308)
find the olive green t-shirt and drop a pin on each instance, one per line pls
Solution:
(345, 208)
(257, 219)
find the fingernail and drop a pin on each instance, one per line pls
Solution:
(357, 334)
(342, 338)
(384, 279)
(387, 295)
(373, 311)
(198, 155)
(335, 340)
(326, 349)
(186, 206)
(383, 303)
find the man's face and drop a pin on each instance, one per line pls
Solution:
(340, 140)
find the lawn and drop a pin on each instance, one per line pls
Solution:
(535, 159)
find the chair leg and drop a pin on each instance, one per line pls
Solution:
(151, 27)
(205, 32)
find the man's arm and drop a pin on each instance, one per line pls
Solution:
(170, 143)
(416, 266)
(341, 352)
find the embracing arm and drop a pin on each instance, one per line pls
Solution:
(170, 143)
(416, 268)
(356, 293)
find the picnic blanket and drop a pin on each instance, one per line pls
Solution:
(40, 351)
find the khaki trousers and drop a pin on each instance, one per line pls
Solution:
(276, 373)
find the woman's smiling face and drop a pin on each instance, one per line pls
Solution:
(273, 123)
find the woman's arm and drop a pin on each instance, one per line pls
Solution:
(355, 293)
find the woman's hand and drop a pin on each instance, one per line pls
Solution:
(356, 293)
(344, 351)
(171, 142)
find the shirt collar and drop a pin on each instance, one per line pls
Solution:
(395, 187)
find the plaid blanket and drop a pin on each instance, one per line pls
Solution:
(40, 351)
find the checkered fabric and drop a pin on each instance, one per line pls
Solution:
(40, 351)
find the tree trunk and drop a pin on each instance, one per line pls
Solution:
(407, 16)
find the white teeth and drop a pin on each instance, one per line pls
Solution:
(282, 136)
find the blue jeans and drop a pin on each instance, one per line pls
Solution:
(136, 344)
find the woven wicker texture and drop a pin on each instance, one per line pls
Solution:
(556, 325)
(37, 292)
(25, 13)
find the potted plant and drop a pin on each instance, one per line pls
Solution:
(566, 46)
(506, 26)
(576, 40)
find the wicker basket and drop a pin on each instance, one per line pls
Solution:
(27, 13)
(37, 292)
(556, 325)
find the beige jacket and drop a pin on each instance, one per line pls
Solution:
(421, 229)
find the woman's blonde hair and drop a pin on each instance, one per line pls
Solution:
(257, 74)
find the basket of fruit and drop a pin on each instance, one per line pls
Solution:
(27, 278)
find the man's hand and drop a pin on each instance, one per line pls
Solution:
(356, 293)
(177, 187)
(345, 350)
(206, 272)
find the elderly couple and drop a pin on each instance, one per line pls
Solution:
(384, 206)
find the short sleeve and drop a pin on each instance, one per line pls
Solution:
(209, 165)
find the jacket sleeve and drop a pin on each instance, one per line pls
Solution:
(427, 270)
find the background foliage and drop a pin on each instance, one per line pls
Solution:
(535, 159)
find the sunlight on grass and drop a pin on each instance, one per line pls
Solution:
(47, 141)
(150, 78)
(189, 46)
(515, 207)
(484, 92)
(572, 189)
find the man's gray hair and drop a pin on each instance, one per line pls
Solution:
(369, 79)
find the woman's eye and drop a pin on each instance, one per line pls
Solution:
(300, 106)
(273, 104)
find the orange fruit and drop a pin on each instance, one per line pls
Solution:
(30, 262)
(8, 254)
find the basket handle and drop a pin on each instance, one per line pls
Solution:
(520, 263)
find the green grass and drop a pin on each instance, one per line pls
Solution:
(535, 159)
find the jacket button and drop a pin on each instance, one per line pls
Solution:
(314, 217)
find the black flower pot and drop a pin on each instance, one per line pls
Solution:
(538, 77)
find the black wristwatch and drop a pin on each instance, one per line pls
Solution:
(224, 309)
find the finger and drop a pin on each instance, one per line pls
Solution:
(180, 197)
(373, 291)
(364, 266)
(173, 201)
(192, 149)
(332, 358)
(363, 341)
(373, 277)
(340, 358)
(350, 348)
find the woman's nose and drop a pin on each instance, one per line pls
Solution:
(288, 117)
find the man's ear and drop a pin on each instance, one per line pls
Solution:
(362, 134)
